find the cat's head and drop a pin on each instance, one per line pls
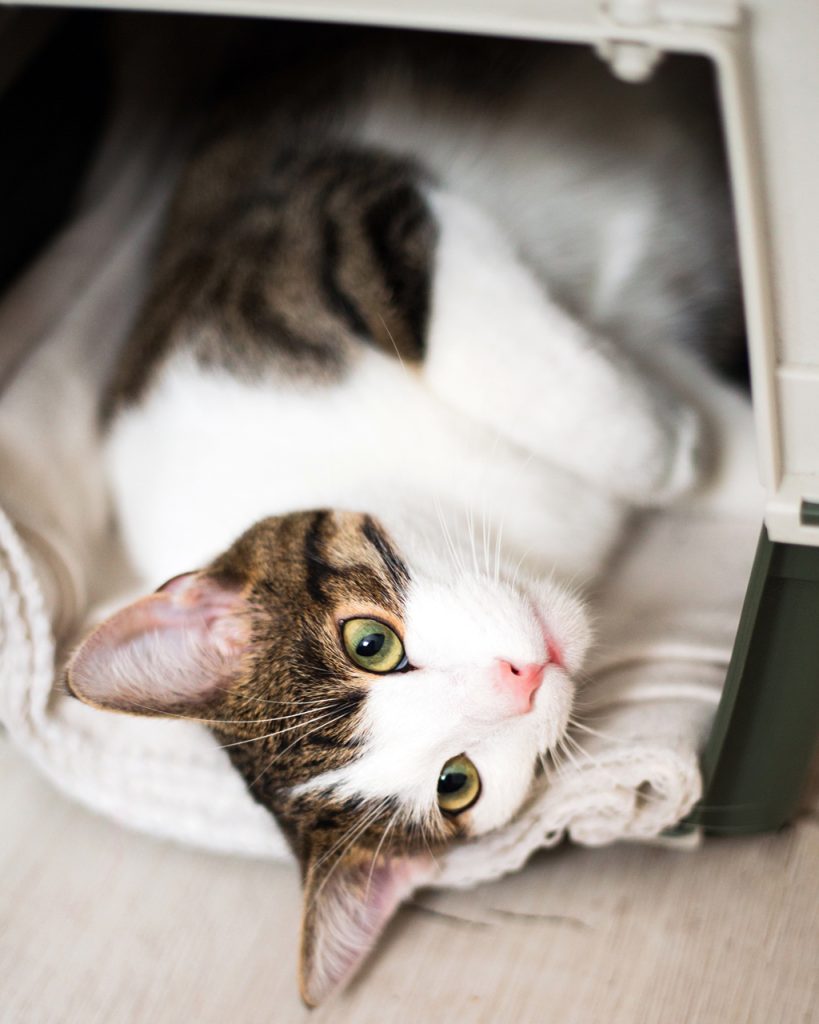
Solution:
(379, 710)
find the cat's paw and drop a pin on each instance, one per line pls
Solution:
(674, 462)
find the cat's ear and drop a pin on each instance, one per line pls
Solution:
(347, 905)
(171, 653)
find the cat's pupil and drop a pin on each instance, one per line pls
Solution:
(451, 782)
(370, 645)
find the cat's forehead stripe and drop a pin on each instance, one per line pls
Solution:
(318, 569)
(394, 564)
(344, 559)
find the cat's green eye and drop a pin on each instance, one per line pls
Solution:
(373, 646)
(459, 785)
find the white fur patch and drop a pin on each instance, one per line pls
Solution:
(502, 351)
(208, 455)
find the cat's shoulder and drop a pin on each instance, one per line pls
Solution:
(326, 249)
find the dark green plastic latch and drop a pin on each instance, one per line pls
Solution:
(809, 513)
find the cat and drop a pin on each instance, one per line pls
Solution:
(405, 341)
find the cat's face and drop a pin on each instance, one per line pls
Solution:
(381, 710)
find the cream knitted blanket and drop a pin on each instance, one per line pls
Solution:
(667, 612)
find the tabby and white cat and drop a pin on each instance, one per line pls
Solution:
(399, 342)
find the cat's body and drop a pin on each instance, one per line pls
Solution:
(354, 310)
(588, 222)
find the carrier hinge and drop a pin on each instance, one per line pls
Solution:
(634, 60)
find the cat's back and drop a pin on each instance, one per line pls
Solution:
(302, 225)
(277, 363)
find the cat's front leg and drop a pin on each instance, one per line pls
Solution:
(500, 350)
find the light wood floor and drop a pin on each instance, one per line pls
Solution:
(101, 925)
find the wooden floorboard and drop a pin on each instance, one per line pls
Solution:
(101, 925)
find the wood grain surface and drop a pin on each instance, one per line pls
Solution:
(101, 925)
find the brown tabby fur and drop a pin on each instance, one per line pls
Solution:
(291, 708)
(303, 574)
(319, 250)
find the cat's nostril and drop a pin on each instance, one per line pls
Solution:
(520, 682)
(526, 675)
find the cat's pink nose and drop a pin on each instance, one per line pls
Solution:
(521, 682)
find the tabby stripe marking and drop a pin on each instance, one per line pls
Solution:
(340, 302)
(317, 568)
(395, 566)
(408, 285)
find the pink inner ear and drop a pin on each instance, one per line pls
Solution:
(171, 652)
(345, 910)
